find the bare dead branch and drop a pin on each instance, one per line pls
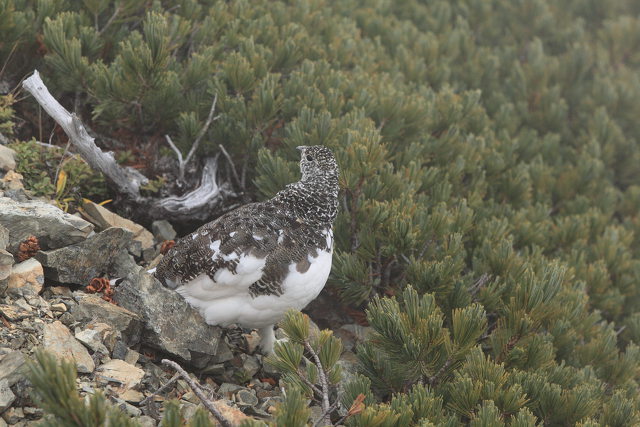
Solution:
(204, 129)
(197, 390)
(72, 126)
(162, 389)
(324, 385)
(198, 204)
(233, 167)
(183, 162)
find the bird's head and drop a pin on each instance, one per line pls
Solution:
(317, 161)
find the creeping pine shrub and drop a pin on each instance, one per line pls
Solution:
(489, 228)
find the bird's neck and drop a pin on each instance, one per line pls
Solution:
(314, 201)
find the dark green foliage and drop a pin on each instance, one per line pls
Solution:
(489, 155)
(54, 384)
(55, 391)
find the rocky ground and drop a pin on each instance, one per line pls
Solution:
(53, 296)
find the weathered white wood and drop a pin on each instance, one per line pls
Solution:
(126, 182)
(197, 204)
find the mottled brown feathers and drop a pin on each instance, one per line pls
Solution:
(286, 230)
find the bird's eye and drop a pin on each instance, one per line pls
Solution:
(309, 158)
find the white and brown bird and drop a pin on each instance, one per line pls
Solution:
(251, 265)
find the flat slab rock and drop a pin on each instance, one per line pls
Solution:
(120, 372)
(12, 367)
(26, 278)
(59, 340)
(52, 227)
(91, 308)
(81, 262)
(104, 218)
(171, 324)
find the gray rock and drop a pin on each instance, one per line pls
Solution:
(171, 324)
(6, 396)
(246, 398)
(147, 421)
(163, 230)
(13, 415)
(227, 389)
(128, 408)
(6, 263)
(14, 312)
(12, 367)
(7, 158)
(26, 278)
(96, 335)
(58, 340)
(51, 226)
(120, 372)
(81, 262)
(250, 365)
(91, 307)
(103, 218)
(4, 237)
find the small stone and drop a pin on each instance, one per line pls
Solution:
(163, 230)
(131, 357)
(58, 339)
(250, 365)
(216, 370)
(246, 398)
(146, 421)
(26, 278)
(227, 389)
(6, 396)
(103, 218)
(6, 264)
(14, 313)
(12, 181)
(223, 354)
(92, 338)
(13, 415)
(59, 307)
(4, 237)
(92, 306)
(60, 291)
(233, 415)
(132, 396)
(120, 371)
(7, 158)
(128, 408)
(253, 341)
(12, 367)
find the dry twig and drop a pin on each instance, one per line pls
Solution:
(324, 385)
(197, 390)
(182, 163)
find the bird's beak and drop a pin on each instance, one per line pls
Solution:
(301, 147)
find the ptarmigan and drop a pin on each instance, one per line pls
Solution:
(251, 265)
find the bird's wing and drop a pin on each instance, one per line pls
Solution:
(222, 257)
